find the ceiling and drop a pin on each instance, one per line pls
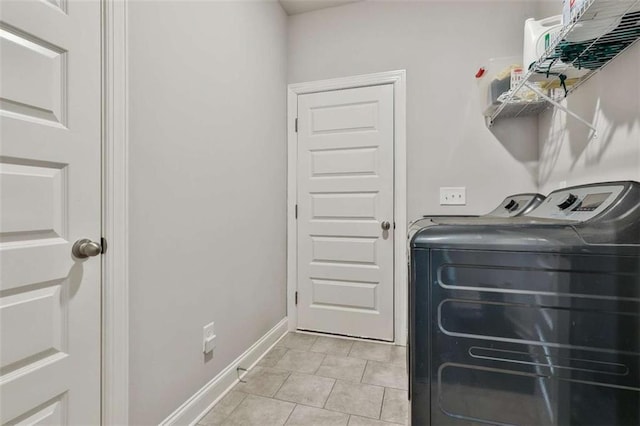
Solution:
(293, 7)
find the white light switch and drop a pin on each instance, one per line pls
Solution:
(208, 338)
(453, 196)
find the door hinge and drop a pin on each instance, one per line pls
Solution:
(394, 225)
(296, 124)
(296, 211)
(296, 298)
(103, 245)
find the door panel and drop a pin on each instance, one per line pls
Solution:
(33, 76)
(358, 161)
(345, 192)
(50, 166)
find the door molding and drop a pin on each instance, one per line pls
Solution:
(115, 222)
(398, 79)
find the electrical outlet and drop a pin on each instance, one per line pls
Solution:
(453, 196)
(208, 338)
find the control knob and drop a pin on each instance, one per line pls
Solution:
(511, 205)
(568, 202)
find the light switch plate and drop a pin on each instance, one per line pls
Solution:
(453, 196)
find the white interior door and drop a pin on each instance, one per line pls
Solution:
(50, 168)
(345, 196)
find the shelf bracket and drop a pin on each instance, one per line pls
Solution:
(561, 107)
(488, 122)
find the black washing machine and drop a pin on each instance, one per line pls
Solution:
(533, 320)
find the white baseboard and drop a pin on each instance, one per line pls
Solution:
(202, 401)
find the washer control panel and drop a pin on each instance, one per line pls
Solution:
(515, 205)
(579, 203)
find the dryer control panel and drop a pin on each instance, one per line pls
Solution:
(512, 206)
(579, 203)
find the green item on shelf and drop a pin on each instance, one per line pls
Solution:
(593, 54)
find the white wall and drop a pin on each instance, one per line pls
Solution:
(208, 190)
(441, 44)
(610, 100)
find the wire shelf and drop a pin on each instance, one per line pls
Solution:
(566, 64)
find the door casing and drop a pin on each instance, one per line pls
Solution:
(115, 270)
(398, 79)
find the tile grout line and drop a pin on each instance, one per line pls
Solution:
(350, 347)
(352, 384)
(366, 364)
(321, 408)
(312, 343)
(375, 386)
(281, 385)
(224, 419)
(384, 392)
(276, 361)
(324, 356)
(275, 396)
(326, 400)
(350, 350)
(289, 416)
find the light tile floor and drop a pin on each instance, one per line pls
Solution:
(316, 381)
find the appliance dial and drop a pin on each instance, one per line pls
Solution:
(511, 205)
(568, 202)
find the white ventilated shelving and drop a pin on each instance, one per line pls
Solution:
(572, 61)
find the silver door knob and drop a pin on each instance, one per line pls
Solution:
(85, 248)
(385, 225)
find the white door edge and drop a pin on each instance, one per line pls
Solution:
(115, 294)
(398, 79)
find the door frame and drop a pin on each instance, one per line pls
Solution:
(115, 221)
(398, 79)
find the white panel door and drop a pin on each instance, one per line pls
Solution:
(50, 196)
(345, 194)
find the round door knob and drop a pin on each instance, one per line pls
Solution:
(85, 248)
(385, 225)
